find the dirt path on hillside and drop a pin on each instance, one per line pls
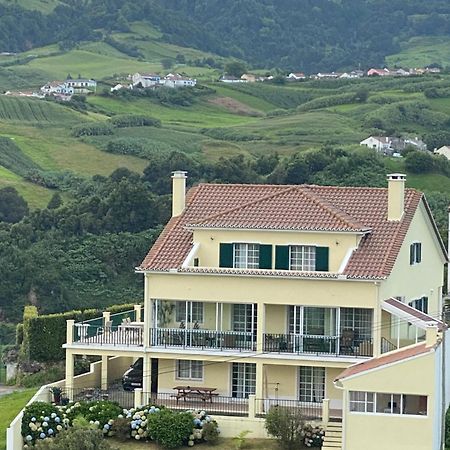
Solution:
(235, 106)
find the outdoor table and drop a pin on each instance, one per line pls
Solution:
(202, 393)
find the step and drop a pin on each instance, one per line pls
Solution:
(332, 440)
(334, 432)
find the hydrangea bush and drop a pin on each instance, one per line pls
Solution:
(42, 421)
(313, 435)
(168, 428)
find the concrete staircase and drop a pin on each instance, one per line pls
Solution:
(333, 436)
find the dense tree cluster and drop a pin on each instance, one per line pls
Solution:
(309, 35)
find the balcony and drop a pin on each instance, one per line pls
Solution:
(317, 345)
(122, 329)
(203, 339)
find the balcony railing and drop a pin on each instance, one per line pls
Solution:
(317, 345)
(310, 411)
(204, 339)
(119, 335)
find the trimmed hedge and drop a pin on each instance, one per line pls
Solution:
(29, 313)
(45, 335)
(92, 129)
(134, 120)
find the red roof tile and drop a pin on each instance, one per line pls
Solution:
(387, 358)
(279, 206)
(293, 208)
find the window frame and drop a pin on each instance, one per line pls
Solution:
(190, 369)
(248, 262)
(306, 397)
(394, 408)
(197, 316)
(415, 253)
(306, 255)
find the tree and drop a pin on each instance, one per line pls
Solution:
(167, 63)
(419, 162)
(55, 202)
(361, 95)
(13, 208)
(235, 69)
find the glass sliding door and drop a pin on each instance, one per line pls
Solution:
(311, 384)
(243, 381)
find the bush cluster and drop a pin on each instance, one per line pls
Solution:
(313, 435)
(92, 129)
(134, 120)
(170, 429)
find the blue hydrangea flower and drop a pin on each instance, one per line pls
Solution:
(50, 431)
(29, 438)
(57, 419)
(42, 435)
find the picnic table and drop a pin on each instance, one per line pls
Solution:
(192, 392)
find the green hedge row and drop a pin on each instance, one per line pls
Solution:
(43, 336)
(92, 129)
(134, 120)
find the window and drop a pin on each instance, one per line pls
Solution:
(311, 384)
(359, 320)
(189, 370)
(242, 317)
(246, 256)
(302, 257)
(415, 253)
(421, 304)
(243, 381)
(362, 401)
(383, 403)
(194, 312)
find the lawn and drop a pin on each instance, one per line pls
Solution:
(10, 406)
(223, 444)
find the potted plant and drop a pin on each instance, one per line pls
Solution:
(56, 391)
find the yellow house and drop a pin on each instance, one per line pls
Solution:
(261, 295)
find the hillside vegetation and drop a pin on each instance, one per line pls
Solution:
(311, 35)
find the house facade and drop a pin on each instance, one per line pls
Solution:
(271, 292)
(82, 85)
(444, 151)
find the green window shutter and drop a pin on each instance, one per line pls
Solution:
(226, 255)
(265, 256)
(322, 259)
(282, 257)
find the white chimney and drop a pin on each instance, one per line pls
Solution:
(178, 192)
(396, 196)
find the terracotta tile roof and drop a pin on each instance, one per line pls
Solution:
(293, 208)
(351, 208)
(416, 315)
(388, 358)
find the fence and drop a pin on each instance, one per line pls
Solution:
(205, 339)
(310, 411)
(86, 333)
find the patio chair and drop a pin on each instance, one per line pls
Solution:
(347, 342)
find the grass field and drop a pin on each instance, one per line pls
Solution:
(10, 406)
(422, 51)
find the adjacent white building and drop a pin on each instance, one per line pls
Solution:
(444, 151)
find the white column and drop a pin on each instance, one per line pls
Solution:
(325, 412)
(69, 373)
(69, 331)
(138, 398)
(104, 373)
(146, 376)
(137, 313)
(259, 388)
(260, 327)
(148, 312)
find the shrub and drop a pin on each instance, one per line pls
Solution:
(40, 421)
(170, 429)
(121, 429)
(134, 120)
(211, 432)
(313, 436)
(92, 129)
(286, 426)
(76, 439)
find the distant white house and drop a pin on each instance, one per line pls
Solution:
(57, 87)
(444, 151)
(117, 87)
(416, 143)
(82, 85)
(296, 76)
(382, 144)
(176, 80)
(231, 79)
(146, 80)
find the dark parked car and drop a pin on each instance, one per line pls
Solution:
(132, 378)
